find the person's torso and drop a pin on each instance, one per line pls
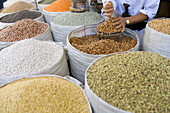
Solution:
(134, 8)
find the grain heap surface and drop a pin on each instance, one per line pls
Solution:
(18, 6)
(46, 1)
(77, 19)
(135, 81)
(107, 27)
(22, 29)
(28, 57)
(160, 25)
(11, 18)
(58, 6)
(90, 44)
(43, 95)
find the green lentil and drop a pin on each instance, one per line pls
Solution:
(135, 81)
(77, 19)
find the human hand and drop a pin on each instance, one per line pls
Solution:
(108, 9)
(119, 22)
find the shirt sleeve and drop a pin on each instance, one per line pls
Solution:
(150, 8)
(114, 6)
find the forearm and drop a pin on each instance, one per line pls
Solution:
(137, 18)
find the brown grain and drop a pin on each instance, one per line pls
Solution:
(90, 44)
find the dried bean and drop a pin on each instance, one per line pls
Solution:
(107, 27)
(23, 29)
(161, 25)
(90, 44)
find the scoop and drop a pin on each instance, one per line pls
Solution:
(111, 36)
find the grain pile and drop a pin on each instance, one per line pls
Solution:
(58, 6)
(136, 81)
(29, 57)
(11, 18)
(18, 6)
(90, 44)
(23, 29)
(160, 25)
(46, 1)
(10, 2)
(77, 19)
(107, 27)
(43, 95)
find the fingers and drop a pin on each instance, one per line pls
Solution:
(109, 10)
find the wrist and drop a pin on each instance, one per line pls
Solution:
(127, 21)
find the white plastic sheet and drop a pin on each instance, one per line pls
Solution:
(156, 42)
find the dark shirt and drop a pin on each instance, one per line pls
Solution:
(1, 3)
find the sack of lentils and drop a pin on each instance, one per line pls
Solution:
(24, 29)
(10, 2)
(136, 82)
(12, 18)
(83, 48)
(16, 7)
(29, 57)
(56, 8)
(157, 37)
(43, 3)
(43, 93)
(63, 24)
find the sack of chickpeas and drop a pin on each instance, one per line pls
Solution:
(24, 29)
(157, 37)
(83, 48)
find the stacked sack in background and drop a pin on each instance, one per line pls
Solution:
(56, 8)
(157, 37)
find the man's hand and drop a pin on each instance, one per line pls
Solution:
(119, 22)
(108, 9)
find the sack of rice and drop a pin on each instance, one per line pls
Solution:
(43, 94)
(30, 56)
(157, 37)
(56, 8)
(24, 29)
(10, 2)
(16, 7)
(83, 48)
(63, 24)
(133, 82)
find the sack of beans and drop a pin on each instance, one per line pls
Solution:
(24, 29)
(43, 93)
(83, 48)
(16, 7)
(63, 24)
(157, 37)
(43, 3)
(10, 2)
(12, 18)
(132, 82)
(30, 56)
(56, 8)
